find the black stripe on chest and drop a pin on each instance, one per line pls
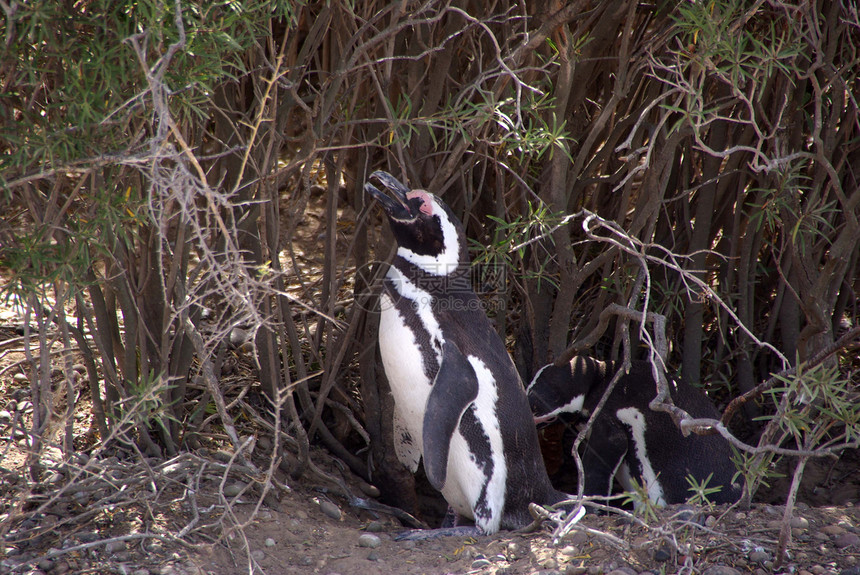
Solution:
(482, 453)
(407, 311)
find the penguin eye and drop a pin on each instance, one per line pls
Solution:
(419, 201)
(416, 205)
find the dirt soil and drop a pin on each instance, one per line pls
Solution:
(303, 539)
(123, 515)
(297, 536)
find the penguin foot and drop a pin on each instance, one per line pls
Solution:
(371, 505)
(428, 534)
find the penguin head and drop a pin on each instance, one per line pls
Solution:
(557, 390)
(428, 233)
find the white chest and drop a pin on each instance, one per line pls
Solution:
(635, 420)
(404, 361)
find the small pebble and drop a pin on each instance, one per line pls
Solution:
(87, 536)
(817, 570)
(623, 571)
(551, 564)
(369, 540)
(369, 490)
(688, 513)
(269, 542)
(233, 489)
(115, 546)
(759, 556)
(221, 455)
(258, 555)
(833, 530)
(45, 564)
(330, 509)
(63, 567)
(569, 551)
(480, 563)
(53, 478)
(575, 570)
(21, 378)
(662, 554)
(238, 336)
(798, 522)
(375, 527)
(846, 539)
(264, 443)
(5, 416)
(577, 538)
(721, 570)
(373, 555)
(142, 571)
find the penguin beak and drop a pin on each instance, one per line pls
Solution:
(397, 207)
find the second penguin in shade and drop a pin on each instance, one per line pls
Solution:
(628, 440)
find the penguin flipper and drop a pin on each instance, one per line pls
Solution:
(604, 456)
(454, 389)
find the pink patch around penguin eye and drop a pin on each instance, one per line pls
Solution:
(426, 203)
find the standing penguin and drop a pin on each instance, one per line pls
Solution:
(459, 402)
(628, 439)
